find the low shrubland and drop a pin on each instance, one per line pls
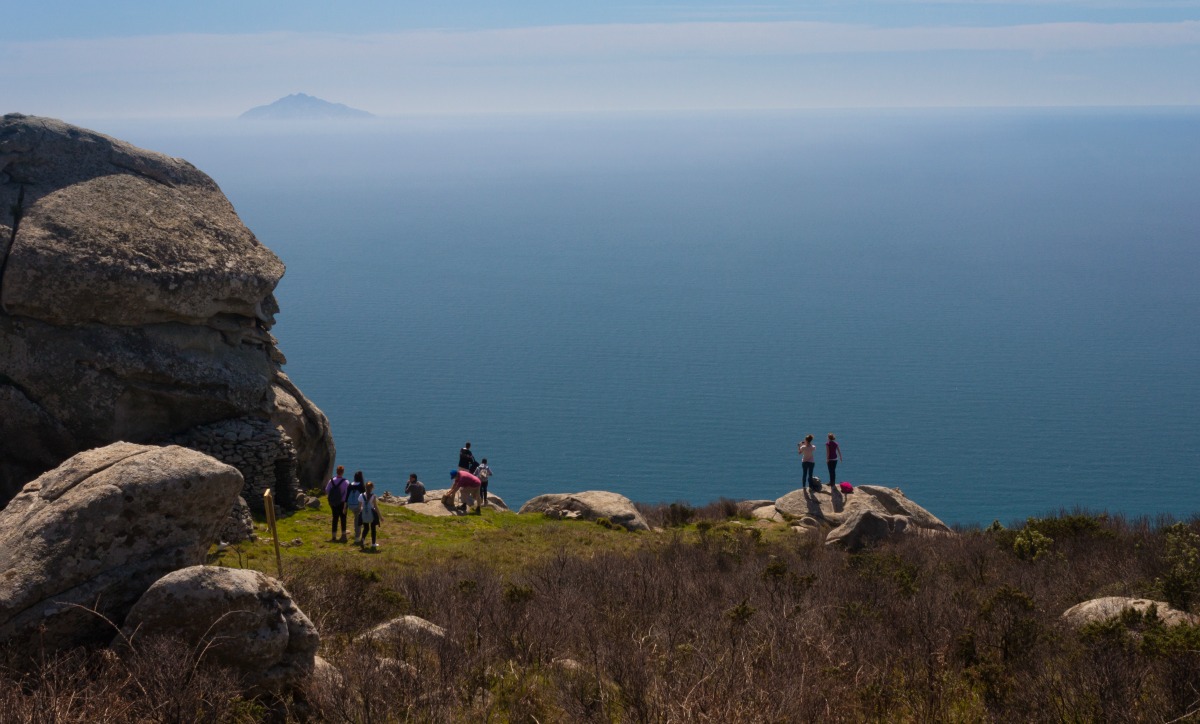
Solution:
(711, 618)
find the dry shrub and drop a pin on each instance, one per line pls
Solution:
(729, 628)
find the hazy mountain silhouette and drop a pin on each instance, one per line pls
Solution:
(300, 107)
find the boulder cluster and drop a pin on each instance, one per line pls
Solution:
(109, 547)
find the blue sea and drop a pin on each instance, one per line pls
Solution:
(997, 311)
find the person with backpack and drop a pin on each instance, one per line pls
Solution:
(354, 502)
(336, 489)
(370, 516)
(484, 473)
(466, 459)
(833, 454)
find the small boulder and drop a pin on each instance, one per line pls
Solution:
(410, 627)
(248, 622)
(589, 505)
(1103, 609)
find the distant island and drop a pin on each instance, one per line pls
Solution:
(303, 107)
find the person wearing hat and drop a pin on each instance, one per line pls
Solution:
(466, 485)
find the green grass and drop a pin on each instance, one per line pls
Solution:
(503, 541)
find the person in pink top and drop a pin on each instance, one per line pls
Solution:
(467, 487)
(833, 454)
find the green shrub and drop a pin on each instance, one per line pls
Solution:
(1030, 544)
(1180, 584)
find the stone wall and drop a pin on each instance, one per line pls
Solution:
(260, 450)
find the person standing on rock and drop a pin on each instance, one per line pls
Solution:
(466, 459)
(415, 489)
(833, 455)
(337, 489)
(484, 473)
(370, 516)
(807, 463)
(354, 502)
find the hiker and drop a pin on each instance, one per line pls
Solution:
(833, 454)
(466, 485)
(354, 502)
(466, 459)
(484, 473)
(415, 489)
(807, 463)
(370, 516)
(336, 489)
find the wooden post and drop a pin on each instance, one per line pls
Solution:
(269, 505)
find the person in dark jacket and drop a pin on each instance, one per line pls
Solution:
(466, 459)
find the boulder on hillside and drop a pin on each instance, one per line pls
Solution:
(405, 627)
(869, 513)
(135, 306)
(97, 531)
(1099, 610)
(589, 505)
(246, 621)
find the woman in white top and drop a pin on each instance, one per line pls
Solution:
(807, 463)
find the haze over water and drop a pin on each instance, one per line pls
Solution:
(996, 311)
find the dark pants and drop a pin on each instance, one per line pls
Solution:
(483, 492)
(807, 467)
(372, 526)
(339, 513)
(832, 472)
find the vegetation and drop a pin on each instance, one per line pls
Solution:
(713, 618)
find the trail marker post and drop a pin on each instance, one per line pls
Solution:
(269, 506)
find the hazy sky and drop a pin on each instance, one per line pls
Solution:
(78, 59)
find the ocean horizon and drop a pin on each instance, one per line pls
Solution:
(996, 311)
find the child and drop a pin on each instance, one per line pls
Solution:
(483, 472)
(356, 490)
(370, 515)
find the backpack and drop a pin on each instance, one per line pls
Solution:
(335, 490)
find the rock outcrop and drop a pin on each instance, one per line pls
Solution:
(97, 531)
(589, 505)
(247, 621)
(870, 513)
(1099, 610)
(134, 305)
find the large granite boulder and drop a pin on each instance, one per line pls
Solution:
(1099, 610)
(870, 513)
(134, 305)
(589, 505)
(97, 531)
(247, 622)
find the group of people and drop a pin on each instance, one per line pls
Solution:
(470, 481)
(833, 455)
(357, 497)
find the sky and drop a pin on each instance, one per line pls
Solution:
(83, 59)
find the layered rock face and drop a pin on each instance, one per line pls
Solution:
(135, 305)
